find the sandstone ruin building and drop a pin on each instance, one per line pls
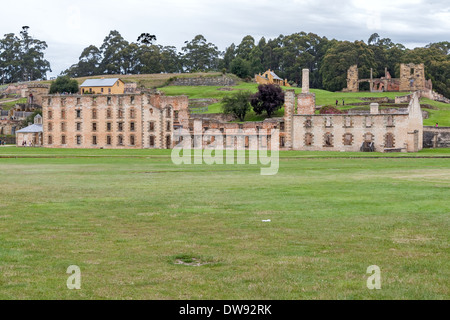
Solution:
(412, 78)
(31, 135)
(149, 121)
(112, 121)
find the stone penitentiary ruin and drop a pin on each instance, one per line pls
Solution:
(412, 78)
(149, 120)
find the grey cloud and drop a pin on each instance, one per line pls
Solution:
(411, 23)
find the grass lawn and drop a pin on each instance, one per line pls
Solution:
(10, 104)
(140, 227)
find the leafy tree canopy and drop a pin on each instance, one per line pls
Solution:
(237, 104)
(269, 99)
(22, 58)
(64, 84)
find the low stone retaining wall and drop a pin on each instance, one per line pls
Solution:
(204, 81)
(436, 137)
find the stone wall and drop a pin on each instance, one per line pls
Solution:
(128, 121)
(352, 79)
(436, 137)
(412, 77)
(214, 116)
(306, 103)
(9, 127)
(130, 87)
(400, 131)
(204, 81)
(8, 140)
(35, 92)
(236, 134)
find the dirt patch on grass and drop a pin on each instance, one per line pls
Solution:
(148, 214)
(422, 175)
(412, 239)
(404, 236)
(442, 174)
(192, 261)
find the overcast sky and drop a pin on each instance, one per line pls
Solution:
(68, 26)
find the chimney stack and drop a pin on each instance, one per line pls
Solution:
(305, 81)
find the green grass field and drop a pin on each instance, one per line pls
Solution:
(140, 227)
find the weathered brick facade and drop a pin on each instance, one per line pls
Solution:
(111, 121)
(412, 78)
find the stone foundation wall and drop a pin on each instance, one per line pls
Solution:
(436, 137)
(204, 81)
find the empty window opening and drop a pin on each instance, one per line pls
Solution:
(328, 140)
(389, 143)
(348, 139)
(368, 137)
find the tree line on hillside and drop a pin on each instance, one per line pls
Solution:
(327, 60)
(22, 58)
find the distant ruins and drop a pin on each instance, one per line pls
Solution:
(150, 120)
(412, 78)
(11, 120)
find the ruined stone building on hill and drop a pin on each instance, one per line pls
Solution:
(149, 120)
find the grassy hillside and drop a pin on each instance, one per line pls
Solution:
(323, 98)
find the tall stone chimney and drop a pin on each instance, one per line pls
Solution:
(306, 101)
(305, 81)
(289, 106)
